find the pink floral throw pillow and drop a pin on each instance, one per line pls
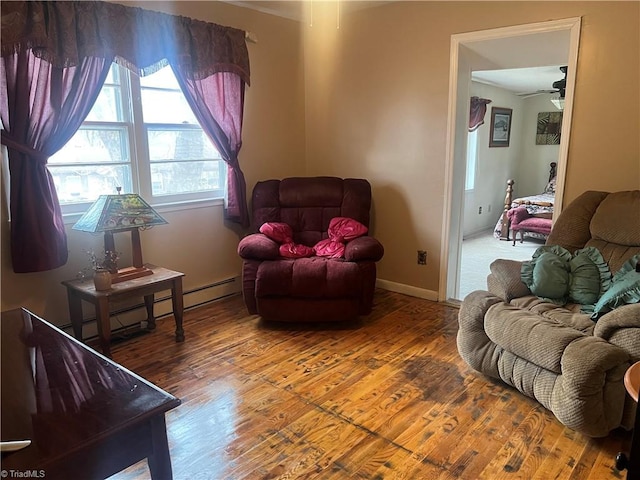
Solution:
(277, 231)
(341, 230)
(295, 250)
(283, 234)
(345, 229)
(329, 248)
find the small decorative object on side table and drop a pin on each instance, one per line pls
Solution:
(632, 463)
(102, 280)
(160, 279)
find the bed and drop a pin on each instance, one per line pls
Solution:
(539, 205)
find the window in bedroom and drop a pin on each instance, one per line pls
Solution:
(141, 135)
(472, 158)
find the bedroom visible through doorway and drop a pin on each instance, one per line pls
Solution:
(475, 52)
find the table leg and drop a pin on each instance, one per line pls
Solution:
(178, 307)
(151, 320)
(75, 312)
(104, 325)
(159, 461)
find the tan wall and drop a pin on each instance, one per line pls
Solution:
(197, 241)
(377, 108)
(370, 100)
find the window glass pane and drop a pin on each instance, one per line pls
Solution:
(179, 145)
(163, 106)
(472, 158)
(185, 177)
(77, 183)
(113, 77)
(107, 107)
(163, 78)
(163, 101)
(93, 145)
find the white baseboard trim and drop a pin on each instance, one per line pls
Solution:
(407, 289)
(201, 295)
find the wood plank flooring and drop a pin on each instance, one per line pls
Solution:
(387, 397)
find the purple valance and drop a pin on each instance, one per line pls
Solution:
(63, 33)
(477, 111)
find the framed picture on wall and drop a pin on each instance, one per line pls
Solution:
(500, 130)
(548, 128)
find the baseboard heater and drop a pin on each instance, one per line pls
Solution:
(166, 298)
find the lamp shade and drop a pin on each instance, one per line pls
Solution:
(113, 213)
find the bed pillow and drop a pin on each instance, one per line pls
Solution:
(625, 288)
(555, 275)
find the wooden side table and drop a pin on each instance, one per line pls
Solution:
(632, 463)
(84, 289)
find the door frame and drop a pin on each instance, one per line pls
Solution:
(459, 82)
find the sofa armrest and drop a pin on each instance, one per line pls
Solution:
(505, 281)
(621, 327)
(591, 381)
(258, 247)
(363, 248)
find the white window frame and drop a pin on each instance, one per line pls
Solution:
(472, 161)
(139, 161)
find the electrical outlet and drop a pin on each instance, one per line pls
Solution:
(489, 208)
(479, 210)
(422, 257)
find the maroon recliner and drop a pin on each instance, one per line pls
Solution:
(315, 288)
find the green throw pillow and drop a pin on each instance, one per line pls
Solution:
(625, 288)
(590, 276)
(547, 274)
(555, 275)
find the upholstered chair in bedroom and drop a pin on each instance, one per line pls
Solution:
(521, 221)
(564, 327)
(286, 280)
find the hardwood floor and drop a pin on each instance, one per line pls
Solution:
(387, 397)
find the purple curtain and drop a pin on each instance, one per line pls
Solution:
(45, 99)
(477, 111)
(42, 107)
(218, 102)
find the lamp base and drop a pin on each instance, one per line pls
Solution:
(129, 273)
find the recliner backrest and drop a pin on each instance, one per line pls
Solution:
(608, 221)
(308, 204)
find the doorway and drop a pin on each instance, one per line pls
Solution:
(533, 45)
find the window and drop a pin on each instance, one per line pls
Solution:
(472, 158)
(141, 135)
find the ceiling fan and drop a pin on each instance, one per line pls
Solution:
(559, 86)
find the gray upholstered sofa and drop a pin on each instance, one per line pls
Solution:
(571, 364)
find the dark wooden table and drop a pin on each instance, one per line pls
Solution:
(84, 289)
(86, 416)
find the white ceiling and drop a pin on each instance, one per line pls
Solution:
(521, 81)
(511, 61)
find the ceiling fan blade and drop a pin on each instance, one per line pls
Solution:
(536, 93)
